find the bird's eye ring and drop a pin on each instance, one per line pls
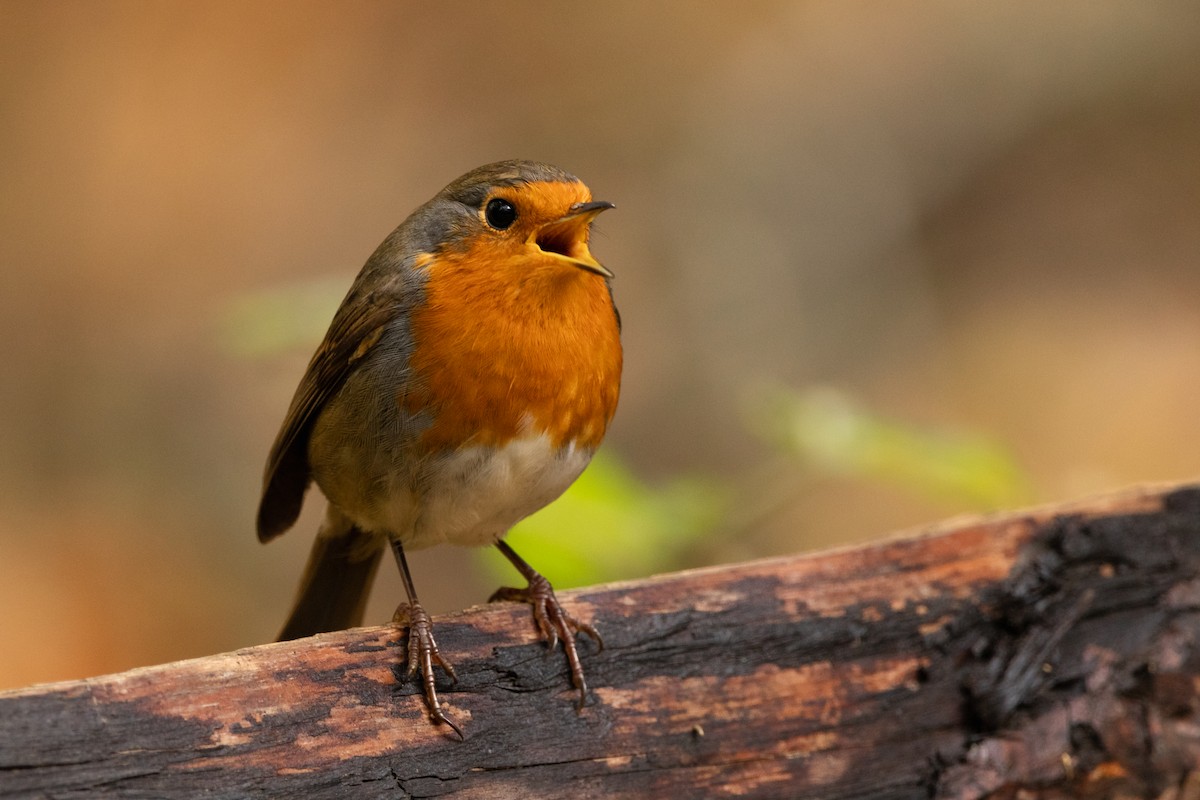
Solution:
(500, 213)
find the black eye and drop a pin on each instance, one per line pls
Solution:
(499, 213)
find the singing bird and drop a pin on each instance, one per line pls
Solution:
(464, 383)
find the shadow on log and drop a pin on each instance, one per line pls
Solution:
(1048, 654)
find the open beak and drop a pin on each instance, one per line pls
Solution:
(567, 237)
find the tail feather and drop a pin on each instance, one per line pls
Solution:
(333, 593)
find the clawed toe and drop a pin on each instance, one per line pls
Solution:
(423, 653)
(552, 620)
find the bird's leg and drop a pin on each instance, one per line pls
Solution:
(423, 651)
(552, 620)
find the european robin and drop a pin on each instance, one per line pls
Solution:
(465, 382)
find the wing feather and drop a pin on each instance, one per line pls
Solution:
(356, 328)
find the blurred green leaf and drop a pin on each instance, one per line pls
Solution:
(610, 525)
(827, 430)
(271, 321)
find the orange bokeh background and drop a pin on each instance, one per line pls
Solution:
(963, 216)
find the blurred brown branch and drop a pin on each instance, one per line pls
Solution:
(1051, 653)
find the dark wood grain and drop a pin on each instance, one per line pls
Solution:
(1052, 653)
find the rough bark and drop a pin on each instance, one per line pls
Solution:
(1045, 654)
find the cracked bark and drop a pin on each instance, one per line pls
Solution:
(1046, 654)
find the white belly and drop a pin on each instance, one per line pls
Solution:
(474, 495)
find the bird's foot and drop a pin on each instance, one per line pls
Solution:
(554, 623)
(423, 653)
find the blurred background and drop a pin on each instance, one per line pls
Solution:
(879, 264)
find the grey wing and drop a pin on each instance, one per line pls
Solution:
(357, 326)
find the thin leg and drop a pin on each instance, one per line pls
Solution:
(423, 651)
(552, 620)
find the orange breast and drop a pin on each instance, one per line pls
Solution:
(507, 347)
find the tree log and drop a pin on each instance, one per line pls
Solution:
(1047, 654)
